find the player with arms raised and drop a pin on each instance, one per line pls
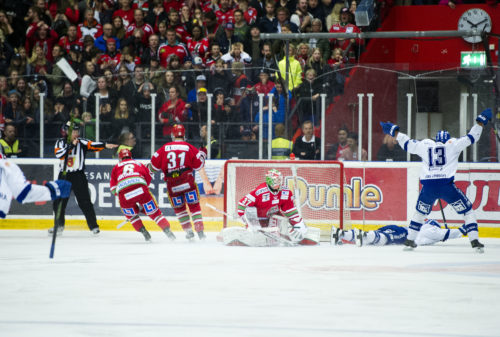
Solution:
(440, 162)
(178, 160)
(129, 181)
(13, 184)
(262, 207)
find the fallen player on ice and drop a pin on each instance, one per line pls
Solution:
(430, 233)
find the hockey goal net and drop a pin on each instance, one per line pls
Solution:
(317, 194)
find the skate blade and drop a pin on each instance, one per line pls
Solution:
(479, 250)
(408, 248)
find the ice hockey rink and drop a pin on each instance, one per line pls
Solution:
(118, 285)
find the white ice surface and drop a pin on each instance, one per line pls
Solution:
(118, 285)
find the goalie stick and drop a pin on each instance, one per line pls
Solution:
(442, 214)
(59, 206)
(261, 230)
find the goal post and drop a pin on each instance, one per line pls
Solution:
(320, 185)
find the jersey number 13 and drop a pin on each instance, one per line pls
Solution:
(437, 156)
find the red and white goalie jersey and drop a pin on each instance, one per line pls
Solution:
(127, 174)
(269, 203)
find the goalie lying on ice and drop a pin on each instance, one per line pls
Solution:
(260, 211)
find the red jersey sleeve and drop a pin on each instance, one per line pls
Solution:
(112, 181)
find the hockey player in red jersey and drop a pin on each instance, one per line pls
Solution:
(178, 160)
(129, 181)
(270, 199)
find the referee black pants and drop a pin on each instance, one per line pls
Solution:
(79, 186)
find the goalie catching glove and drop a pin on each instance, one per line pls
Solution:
(297, 231)
(59, 189)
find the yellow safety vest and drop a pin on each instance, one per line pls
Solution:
(10, 150)
(281, 148)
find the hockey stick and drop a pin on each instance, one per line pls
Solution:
(442, 213)
(121, 224)
(261, 230)
(59, 206)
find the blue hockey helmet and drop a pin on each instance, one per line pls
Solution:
(442, 136)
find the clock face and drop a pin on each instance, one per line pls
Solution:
(474, 18)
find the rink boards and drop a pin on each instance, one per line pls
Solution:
(381, 193)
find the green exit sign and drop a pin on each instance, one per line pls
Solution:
(473, 59)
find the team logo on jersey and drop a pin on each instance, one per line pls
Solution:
(266, 197)
(192, 197)
(423, 208)
(285, 195)
(459, 206)
(178, 201)
(129, 211)
(150, 207)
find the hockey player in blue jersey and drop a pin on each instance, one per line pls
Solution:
(430, 233)
(440, 162)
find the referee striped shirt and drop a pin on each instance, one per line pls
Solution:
(76, 159)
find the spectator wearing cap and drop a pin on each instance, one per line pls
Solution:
(75, 58)
(198, 112)
(197, 45)
(171, 47)
(151, 51)
(225, 13)
(111, 58)
(201, 82)
(70, 39)
(139, 25)
(226, 37)
(176, 24)
(264, 86)
(348, 46)
(107, 33)
(89, 26)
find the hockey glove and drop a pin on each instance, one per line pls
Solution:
(297, 232)
(389, 128)
(203, 151)
(59, 189)
(485, 116)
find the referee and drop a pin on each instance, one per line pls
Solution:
(75, 174)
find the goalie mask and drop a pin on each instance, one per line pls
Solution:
(442, 136)
(274, 179)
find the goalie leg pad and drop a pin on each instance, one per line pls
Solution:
(239, 236)
(311, 237)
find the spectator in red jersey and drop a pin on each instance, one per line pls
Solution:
(172, 4)
(225, 13)
(249, 13)
(156, 15)
(171, 47)
(197, 45)
(125, 12)
(173, 111)
(175, 23)
(265, 85)
(70, 39)
(345, 25)
(90, 26)
(111, 58)
(42, 36)
(107, 33)
(140, 25)
(215, 55)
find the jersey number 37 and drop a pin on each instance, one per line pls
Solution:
(437, 156)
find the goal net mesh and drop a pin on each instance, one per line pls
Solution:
(317, 194)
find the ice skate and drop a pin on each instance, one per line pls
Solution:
(409, 245)
(96, 231)
(202, 235)
(478, 246)
(190, 235)
(336, 234)
(60, 230)
(359, 237)
(169, 233)
(146, 234)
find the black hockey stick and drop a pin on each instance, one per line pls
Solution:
(442, 213)
(59, 206)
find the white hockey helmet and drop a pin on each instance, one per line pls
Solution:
(274, 179)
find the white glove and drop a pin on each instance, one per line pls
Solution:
(298, 231)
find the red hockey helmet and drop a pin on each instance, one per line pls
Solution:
(124, 154)
(178, 131)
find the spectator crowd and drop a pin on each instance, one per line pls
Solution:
(133, 54)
